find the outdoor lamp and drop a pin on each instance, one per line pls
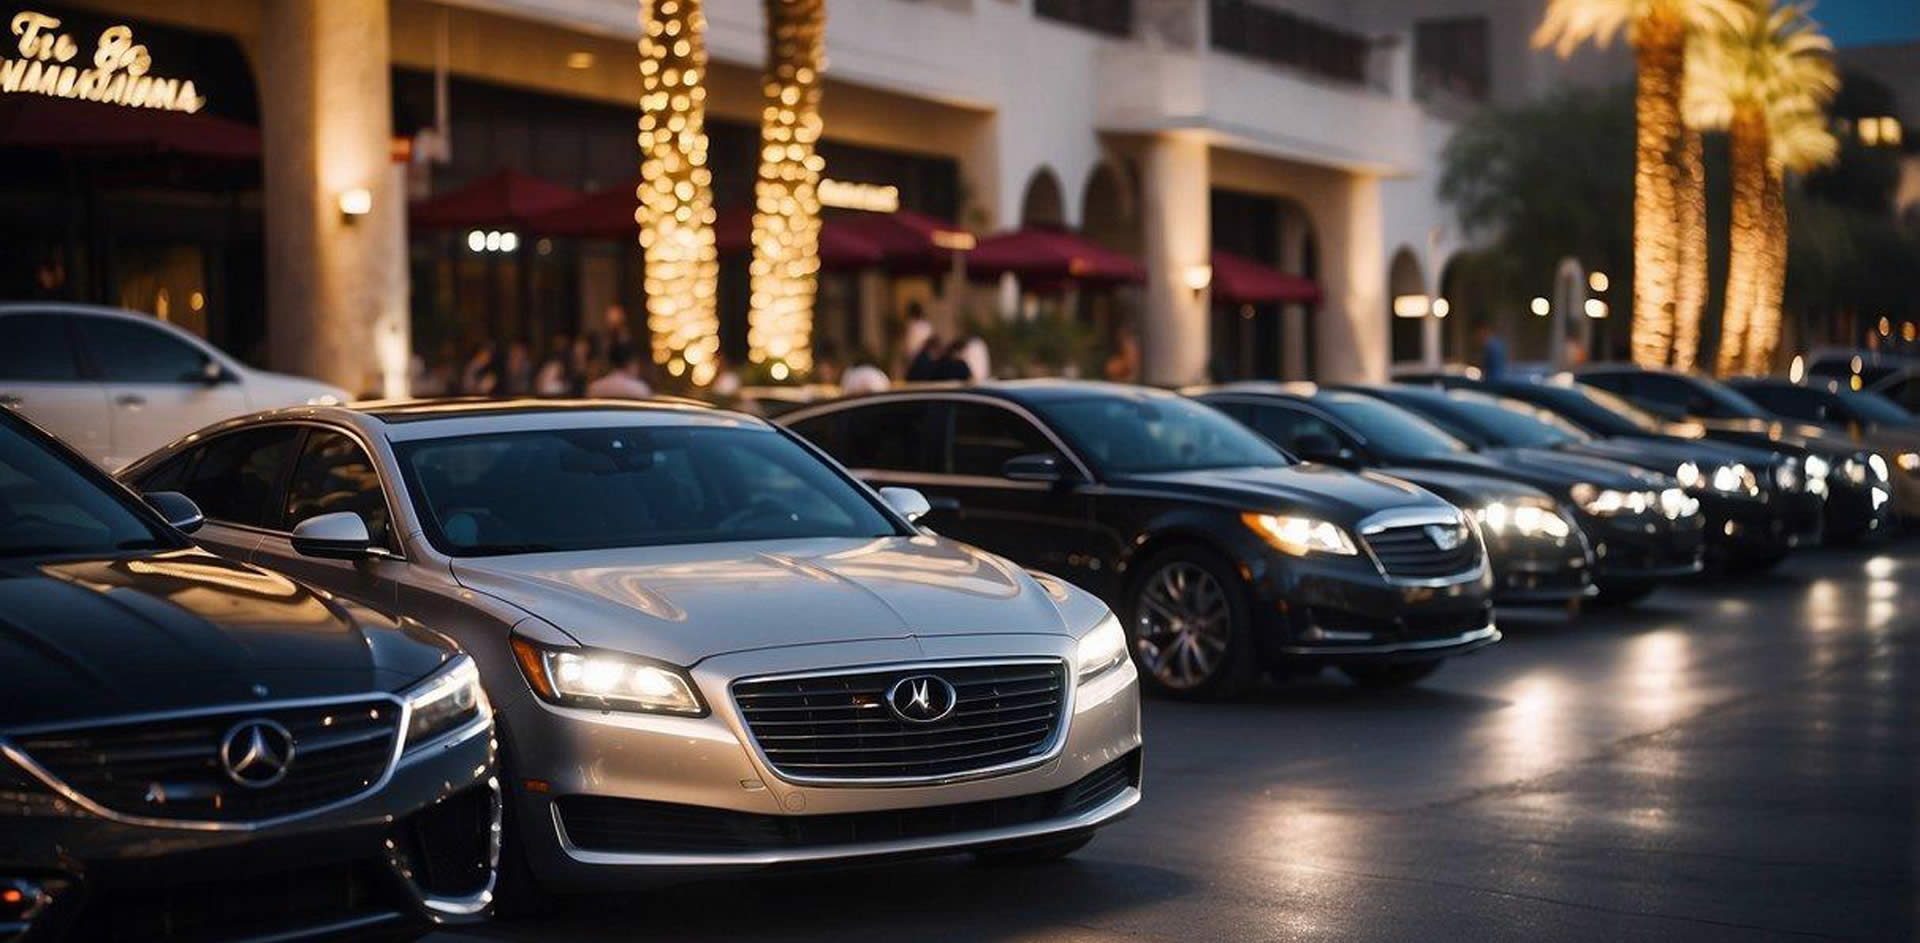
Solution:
(355, 203)
(1199, 277)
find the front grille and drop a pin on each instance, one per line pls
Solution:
(1410, 552)
(839, 727)
(637, 826)
(242, 907)
(171, 769)
(1409, 626)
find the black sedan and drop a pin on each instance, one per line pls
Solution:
(1643, 526)
(1539, 553)
(192, 748)
(1857, 479)
(1222, 554)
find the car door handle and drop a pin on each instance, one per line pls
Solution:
(130, 400)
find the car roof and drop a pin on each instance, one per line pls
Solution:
(1021, 392)
(408, 420)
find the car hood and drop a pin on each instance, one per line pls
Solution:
(1548, 470)
(685, 603)
(1338, 495)
(184, 630)
(1788, 436)
(1667, 455)
(1466, 489)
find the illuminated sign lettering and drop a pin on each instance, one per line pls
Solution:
(116, 76)
(874, 198)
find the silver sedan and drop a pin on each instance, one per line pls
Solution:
(709, 647)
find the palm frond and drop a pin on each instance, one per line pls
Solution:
(1762, 57)
(1800, 139)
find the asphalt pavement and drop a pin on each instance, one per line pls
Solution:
(1726, 761)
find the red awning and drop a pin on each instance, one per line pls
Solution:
(602, 214)
(1051, 255)
(95, 128)
(909, 242)
(507, 198)
(1242, 281)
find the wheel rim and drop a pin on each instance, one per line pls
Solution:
(1182, 625)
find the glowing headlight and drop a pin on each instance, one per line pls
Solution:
(1689, 475)
(1676, 504)
(1786, 475)
(449, 700)
(1300, 536)
(1908, 461)
(1878, 464)
(606, 680)
(1525, 519)
(1606, 502)
(1735, 479)
(1854, 470)
(1818, 468)
(1102, 649)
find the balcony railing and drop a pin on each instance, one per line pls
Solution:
(1112, 17)
(1257, 31)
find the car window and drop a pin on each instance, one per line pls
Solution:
(1284, 426)
(1393, 431)
(36, 347)
(1793, 402)
(49, 507)
(130, 352)
(1148, 434)
(985, 437)
(237, 477)
(169, 475)
(335, 474)
(888, 436)
(585, 489)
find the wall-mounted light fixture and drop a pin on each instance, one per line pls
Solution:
(1412, 306)
(1597, 281)
(492, 240)
(355, 203)
(580, 60)
(1442, 307)
(1596, 309)
(1198, 277)
(1540, 306)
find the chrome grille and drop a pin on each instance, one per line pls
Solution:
(1409, 552)
(838, 727)
(170, 769)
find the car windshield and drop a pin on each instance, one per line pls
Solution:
(1729, 402)
(50, 507)
(597, 488)
(1513, 423)
(1620, 406)
(1392, 431)
(1877, 408)
(1144, 435)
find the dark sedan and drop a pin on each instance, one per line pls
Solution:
(192, 748)
(1857, 479)
(1539, 553)
(1643, 526)
(1223, 555)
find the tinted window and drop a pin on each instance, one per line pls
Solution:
(169, 475)
(1793, 402)
(1392, 431)
(131, 352)
(36, 347)
(984, 437)
(237, 477)
(335, 474)
(1284, 426)
(49, 507)
(584, 489)
(888, 436)
(824, 431)
(1510, 422)
(1145, 434)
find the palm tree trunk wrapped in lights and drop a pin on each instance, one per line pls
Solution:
(786, 219)
(1690, 305)
(1746, 236)
(676, 191)
(1799, 142)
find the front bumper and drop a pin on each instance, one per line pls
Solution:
(1322, 610)
(418, 852)
(1640, 548)
(1858, 510)
(1540, 570)
(592, 787)
(1761, 528)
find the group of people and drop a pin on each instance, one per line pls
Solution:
(607, 364)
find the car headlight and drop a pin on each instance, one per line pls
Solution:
(606, 680)
(1606, 502)
(1786, 475)
(1818, 468)
(1908, 461)
(1689, 475)
(449, 700)
(1854, 470)
(1735, 479)
(1102, 649)
(1676, 504)
(1878, 464)
(1523, 518)
(1300, 536)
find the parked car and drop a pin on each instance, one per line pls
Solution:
(1760, 504)
(1859, 489)
(1643, 527)
(1539, 553)
(709, 647)
(118, 384)
(193, 748)
(1871, 420)
(1223, 555)
(1895, 377)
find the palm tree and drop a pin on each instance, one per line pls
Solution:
(1690, 301)
(786, 219)
(676, 190)
(1658, 31)
(1761, 63)
(1799, 141)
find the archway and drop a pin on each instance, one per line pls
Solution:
(1043, 204)
(1407, 318)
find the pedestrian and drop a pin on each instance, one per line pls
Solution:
(951, 365)
(864, 376)
(626, 380)
(918, 331)
(516, 373)
(556, 372)
(1124, 365)
(726, 380)
(925, 363)
(1493, 352)
(482, 374)
(978, 358)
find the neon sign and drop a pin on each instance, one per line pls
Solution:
(117, 74)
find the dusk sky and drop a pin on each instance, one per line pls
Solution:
(1858, 22)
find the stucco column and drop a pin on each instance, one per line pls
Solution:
(1295, 364)
(336, 285)
(1175, 220)
(1352, 341)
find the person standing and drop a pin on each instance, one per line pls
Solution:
(1493, 352)
(625, 381)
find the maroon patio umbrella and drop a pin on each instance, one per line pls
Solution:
(95, 128)
(841, 249)
(1043, 256)
(507, 198)
(609, 214)
(909, 242)
(1238, 280)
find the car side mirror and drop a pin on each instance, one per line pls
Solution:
(1320, 447)
(341, 535)
(907, 503)
(177, 509)
(1044, 468)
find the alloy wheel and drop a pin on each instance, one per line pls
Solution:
(1182, 625)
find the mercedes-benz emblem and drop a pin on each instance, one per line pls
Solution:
(1446, 537)
(922, 699)
(256, 753)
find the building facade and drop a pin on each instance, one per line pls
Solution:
(1304, 135)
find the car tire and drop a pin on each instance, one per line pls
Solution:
(1395, 675)
(516, 892)
(1191, 591)
(1623, 594)
(1032, 854)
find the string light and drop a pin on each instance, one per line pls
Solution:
(676, 189)
(786, 219)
